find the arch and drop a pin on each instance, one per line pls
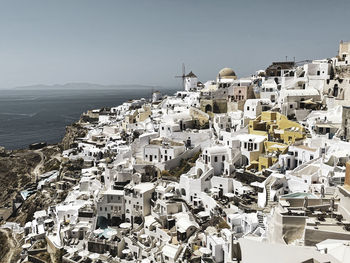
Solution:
(335, 90)
(208, 108)
(138, 220)
(245, 160)
(216, 108)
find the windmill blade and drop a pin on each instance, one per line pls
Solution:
(183, 76)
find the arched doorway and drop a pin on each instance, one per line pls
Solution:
(245, 160)
(208, 108)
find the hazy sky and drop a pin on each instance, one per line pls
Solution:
(145, 41)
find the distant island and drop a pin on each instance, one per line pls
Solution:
(85, 86)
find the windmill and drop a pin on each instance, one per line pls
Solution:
(183, 76)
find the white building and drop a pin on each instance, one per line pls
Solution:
(269, 90)
(251, 147)
(191, 81)
(254, 107)
(138, 200)
(164, 152)
(111, 206)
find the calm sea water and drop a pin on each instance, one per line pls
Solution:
(28, 116)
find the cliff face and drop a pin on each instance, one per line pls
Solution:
(19, 169)
(76, 130)
(15, 172)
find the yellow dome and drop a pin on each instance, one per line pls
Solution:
(227, 73)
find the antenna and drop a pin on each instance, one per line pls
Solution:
(183, 76)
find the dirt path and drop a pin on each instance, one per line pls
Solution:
(36, 171)
(13, 246)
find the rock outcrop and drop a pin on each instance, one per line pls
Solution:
(74, 131)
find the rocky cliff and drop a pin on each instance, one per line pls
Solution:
(74, 131)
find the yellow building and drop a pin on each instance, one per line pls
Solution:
(143, 113)
(270, 156)
(277, 128)
(136, 116)
(280, 133)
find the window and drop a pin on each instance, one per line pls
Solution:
(311, 157)
(255, 146)
(247, 107)
(245, 145)
(291, 106)
(215, 159)
(223, 158)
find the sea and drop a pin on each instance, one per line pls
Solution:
(28, 116)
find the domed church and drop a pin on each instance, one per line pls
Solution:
(227, 73)
(225, 77)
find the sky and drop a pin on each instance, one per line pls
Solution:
(146, 41)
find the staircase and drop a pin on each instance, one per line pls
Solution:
(133, 239)
(268, 193)
(261, 221)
